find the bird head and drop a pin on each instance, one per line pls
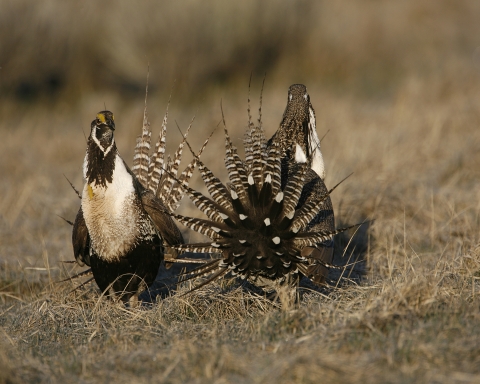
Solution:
(297, 95)
(102, 130)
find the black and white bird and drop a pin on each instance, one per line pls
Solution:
(122, 228)
(273, 216)
(299, 143)
(298, 131)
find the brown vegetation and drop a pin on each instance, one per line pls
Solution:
(396, 84)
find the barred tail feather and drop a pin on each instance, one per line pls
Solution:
(185, 177)
(273, 167)
(236, 171)
(196, 247)
(212, 210)
(177, 191)
(201, 270)
(158, 156)
(215, 188)
(172, 168)
(205, 227)
(293, 190)
(220, 272)
(310, 239)
(164, 185)
(141, 157)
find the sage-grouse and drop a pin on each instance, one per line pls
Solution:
(274, 211)
(122, 226)
(298, 130)
(298, 142)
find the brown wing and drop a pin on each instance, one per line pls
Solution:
(157, 211)
(165, 225)
(325, 218)
(81, 240)
(323, 221)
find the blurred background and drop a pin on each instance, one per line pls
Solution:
(55, 51)
(394, 83)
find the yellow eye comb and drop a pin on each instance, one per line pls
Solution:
(101, 117)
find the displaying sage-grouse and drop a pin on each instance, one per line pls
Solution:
(122, 228)
(275, 216)
(298, 142)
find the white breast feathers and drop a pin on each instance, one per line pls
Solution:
(111, 215)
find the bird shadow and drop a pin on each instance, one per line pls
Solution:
(169, 277)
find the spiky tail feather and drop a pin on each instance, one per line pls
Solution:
(141, 159)
(185, 176)
(157, 158)
(152, 171)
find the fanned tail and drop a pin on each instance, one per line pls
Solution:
(268, 222)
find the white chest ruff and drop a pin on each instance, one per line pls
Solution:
(300, 156)
(111, 216)
(317, 164)
(317, 159)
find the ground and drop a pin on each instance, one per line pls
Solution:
(413, 316)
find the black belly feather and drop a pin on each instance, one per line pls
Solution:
(130, 274)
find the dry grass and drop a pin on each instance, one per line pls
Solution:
(403, 113)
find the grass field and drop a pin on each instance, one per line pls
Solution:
(397, 88)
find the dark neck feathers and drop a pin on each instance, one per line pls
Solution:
(100, 167)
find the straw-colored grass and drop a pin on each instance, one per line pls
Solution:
(403, 114)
